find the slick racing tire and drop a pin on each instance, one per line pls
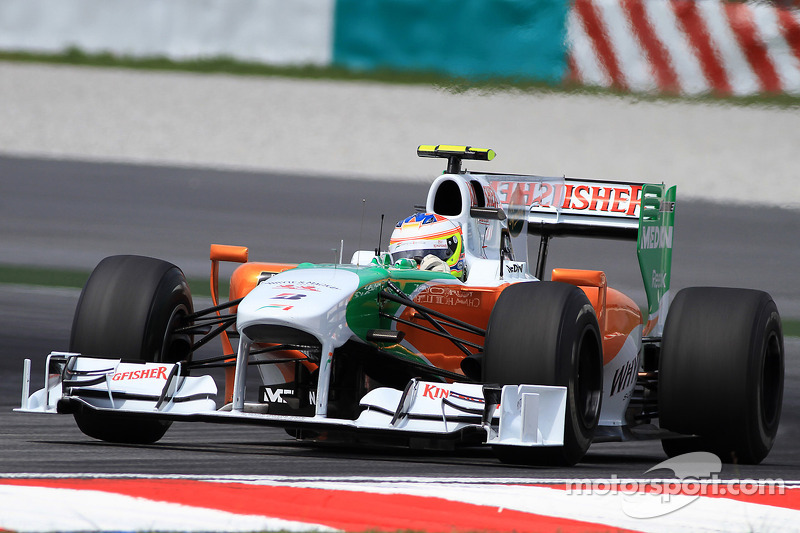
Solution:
(129, 309)
(721, 373)
(546, 333)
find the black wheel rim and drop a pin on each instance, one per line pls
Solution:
(588, 380)
(771, 380)
(176, 346)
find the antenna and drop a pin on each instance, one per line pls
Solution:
(380, 238)
(361, 232)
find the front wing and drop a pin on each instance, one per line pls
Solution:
(511, 415)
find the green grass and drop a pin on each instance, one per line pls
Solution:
(51, 277)
(76, 279)
(225, 65)
(791, 327)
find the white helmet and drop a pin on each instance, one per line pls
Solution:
(423, 234)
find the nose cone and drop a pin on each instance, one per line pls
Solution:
(312, 300)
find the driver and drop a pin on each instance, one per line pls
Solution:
(433, 241)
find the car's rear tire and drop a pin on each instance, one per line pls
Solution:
(546, 333)
(721, 373)
(129, 309)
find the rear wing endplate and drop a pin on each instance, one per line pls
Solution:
(654, 249)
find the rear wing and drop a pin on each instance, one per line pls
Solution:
(555, 207)
(561, 206)
(570, 206)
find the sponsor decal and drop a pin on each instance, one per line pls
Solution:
(275, 306)
(572, 196)
(442, 295)
(284, 399)
(656, 237)
(264, 276)
(658, 280)
(434, 392)
(312, 286)
(298, 287)
(625, 376)
(459, 396)
(514, 268)
(491, 197)
(279, 394)
(147, 373)
(288, 296)
(368, 290)
(375, 286)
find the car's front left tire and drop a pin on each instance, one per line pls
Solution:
(129, 309)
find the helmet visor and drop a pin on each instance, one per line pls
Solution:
(447, 249)
(418, 254)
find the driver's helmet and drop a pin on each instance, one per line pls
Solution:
(424, 234)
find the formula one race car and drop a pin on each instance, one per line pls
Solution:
(449, 337)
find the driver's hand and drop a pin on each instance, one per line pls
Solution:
(433, 263)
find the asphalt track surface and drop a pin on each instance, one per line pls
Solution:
(73, 213)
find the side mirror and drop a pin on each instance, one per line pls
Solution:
(490, 213)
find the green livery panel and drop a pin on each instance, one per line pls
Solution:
(654, 249)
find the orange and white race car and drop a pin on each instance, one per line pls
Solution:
(449, 336)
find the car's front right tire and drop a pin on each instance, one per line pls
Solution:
(721, 373)
(546, 333)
